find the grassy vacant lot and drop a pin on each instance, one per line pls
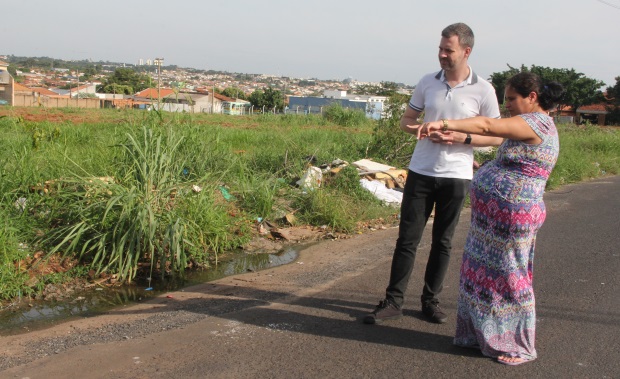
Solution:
(106, 192)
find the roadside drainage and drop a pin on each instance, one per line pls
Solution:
(39, 314)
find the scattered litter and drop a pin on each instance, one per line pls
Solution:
(311, 179)
(169, 296)
(310, 159)
(261, 229)
(196, 188)
(289, 219)
(390, 196)
(368, 165)
(226, 194)
(148, 289)
(334, 167)
(388, 175)
(20, 204)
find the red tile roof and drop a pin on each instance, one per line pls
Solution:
(151, 93)
(20, 87)
(40, 90)
(593, 107)
(43, 91)
(222, 97)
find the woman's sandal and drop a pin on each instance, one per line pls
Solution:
(512, 361)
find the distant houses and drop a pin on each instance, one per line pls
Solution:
(200, 96)
(198, 101)
(594, 114)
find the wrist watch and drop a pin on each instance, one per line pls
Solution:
(467, 139)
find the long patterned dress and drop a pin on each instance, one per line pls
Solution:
(496, 300)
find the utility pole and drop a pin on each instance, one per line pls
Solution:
(158, 62)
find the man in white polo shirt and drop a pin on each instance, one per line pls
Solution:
(440, 171)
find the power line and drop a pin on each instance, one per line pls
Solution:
(611, 5)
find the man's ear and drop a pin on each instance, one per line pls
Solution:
(467, 51)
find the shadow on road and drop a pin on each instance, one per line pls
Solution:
(309, 315)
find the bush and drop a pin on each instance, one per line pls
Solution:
(389, 143)
(345, 116)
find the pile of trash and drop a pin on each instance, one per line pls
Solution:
(385, 182)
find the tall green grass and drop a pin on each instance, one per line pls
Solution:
(155, 193)
(586, 152)
(114, 222)
(13, 276)
(146, 190)
(345, 116)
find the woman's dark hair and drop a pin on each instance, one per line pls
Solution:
(524, 83)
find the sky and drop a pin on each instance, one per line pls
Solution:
(380, 40)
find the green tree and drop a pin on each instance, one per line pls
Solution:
(387, 89)
(580, 90)
(118, 89)
(613, 94)
(89, 73)
(367, 89)
(12, 70)
(234, 92)
(269, 98)
(128, 79)
(257, 98)
(306, 83)
(383, 89)
(499, 79)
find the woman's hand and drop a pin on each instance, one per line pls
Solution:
(432, 130)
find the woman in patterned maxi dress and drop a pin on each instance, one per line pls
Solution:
(496, 308)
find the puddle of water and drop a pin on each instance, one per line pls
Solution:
(32, 315)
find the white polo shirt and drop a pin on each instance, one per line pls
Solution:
(433, 96)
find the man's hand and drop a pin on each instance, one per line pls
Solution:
(432, 130)
(446, 138)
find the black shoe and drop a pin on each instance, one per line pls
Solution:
(433, 313)
(384, 311)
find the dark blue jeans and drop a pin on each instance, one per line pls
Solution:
(421, 193)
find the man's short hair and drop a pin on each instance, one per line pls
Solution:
(461, 30)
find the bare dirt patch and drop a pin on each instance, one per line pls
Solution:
(53, 115)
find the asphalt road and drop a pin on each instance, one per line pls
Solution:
(303, 320)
